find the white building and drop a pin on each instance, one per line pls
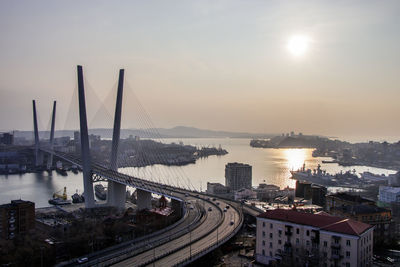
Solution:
(389, 194)
(294, 238)
(245, 193)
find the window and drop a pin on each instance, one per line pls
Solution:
(270, 253)
(270, 235)
(325, 244)
(270, 244)
(263, 242)
(297, 231)
(280, 233)
(347, 264)
(307, 242)
(263, 252)
(263, 224)
(270, 225)
(325, 254)
(279, 241)
(297, 241)
(263, 233)
(308, 232)
(348, 243)
(347, 254)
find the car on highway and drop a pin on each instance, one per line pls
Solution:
(82, 260)
(218, 203)
(214, 199)
(227, 206)
(232, 222)
(209, 209)
(225, 210)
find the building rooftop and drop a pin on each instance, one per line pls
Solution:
(321, 221)
(390, 189)
(361, 209)
(236, 164)
(348, 197)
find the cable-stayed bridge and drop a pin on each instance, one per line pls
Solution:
(207, 224)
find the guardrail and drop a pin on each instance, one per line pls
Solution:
(133, 251)
(186, 245)
(215, 245)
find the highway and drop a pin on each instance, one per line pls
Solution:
(216, 228)
(201, 231)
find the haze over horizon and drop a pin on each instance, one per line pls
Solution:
(317, 67)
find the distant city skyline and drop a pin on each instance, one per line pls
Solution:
(317, 67)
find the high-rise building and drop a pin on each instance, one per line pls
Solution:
(17, 217)
(293, 238)
(238, 176)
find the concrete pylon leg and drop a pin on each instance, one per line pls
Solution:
(36, 132)
(116, 195)
(116, 191)
(53, 123)
(85, 152)
(143, 199)
(177, 206)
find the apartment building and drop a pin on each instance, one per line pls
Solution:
(17, 217)
(238, 176)
(294, 238)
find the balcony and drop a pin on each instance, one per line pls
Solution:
(12, 220)
(288, 233)
(336, 256)
(12, 228)
(335, 245)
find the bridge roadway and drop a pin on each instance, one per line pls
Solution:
(180, 245)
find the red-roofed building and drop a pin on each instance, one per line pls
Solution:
(295, 238)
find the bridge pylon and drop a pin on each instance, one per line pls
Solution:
(116, 191)
(53, 122)
(85, 152)
(38, 154)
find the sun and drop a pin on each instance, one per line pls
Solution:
(298, 44)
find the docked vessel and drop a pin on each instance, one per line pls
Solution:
(59, 199)
(60, 169)
(317, 176)
(100, 191)
(371, 177)
(77, 198)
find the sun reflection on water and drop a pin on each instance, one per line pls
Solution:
(295, 158)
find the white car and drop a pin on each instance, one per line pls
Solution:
(82, 260)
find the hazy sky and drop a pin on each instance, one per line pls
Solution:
(209, 64)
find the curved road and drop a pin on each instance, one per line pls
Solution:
(210, 233)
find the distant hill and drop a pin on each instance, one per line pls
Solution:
(176, 132)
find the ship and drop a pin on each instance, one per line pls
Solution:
(60, 169)
(371, 177)
(76, 198)
(100, 191)
(316, 176)
(60, 199)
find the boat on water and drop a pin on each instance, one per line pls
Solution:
(317, 176)
(371, 177)
(100, 191)
(59, 199)
(60, 169)
(78, 198)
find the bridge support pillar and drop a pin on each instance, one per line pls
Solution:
(38, 154)
(143, 199)
(86, 161)
(53, 121)
(116, 195)
(177, 206)
(116, 191)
